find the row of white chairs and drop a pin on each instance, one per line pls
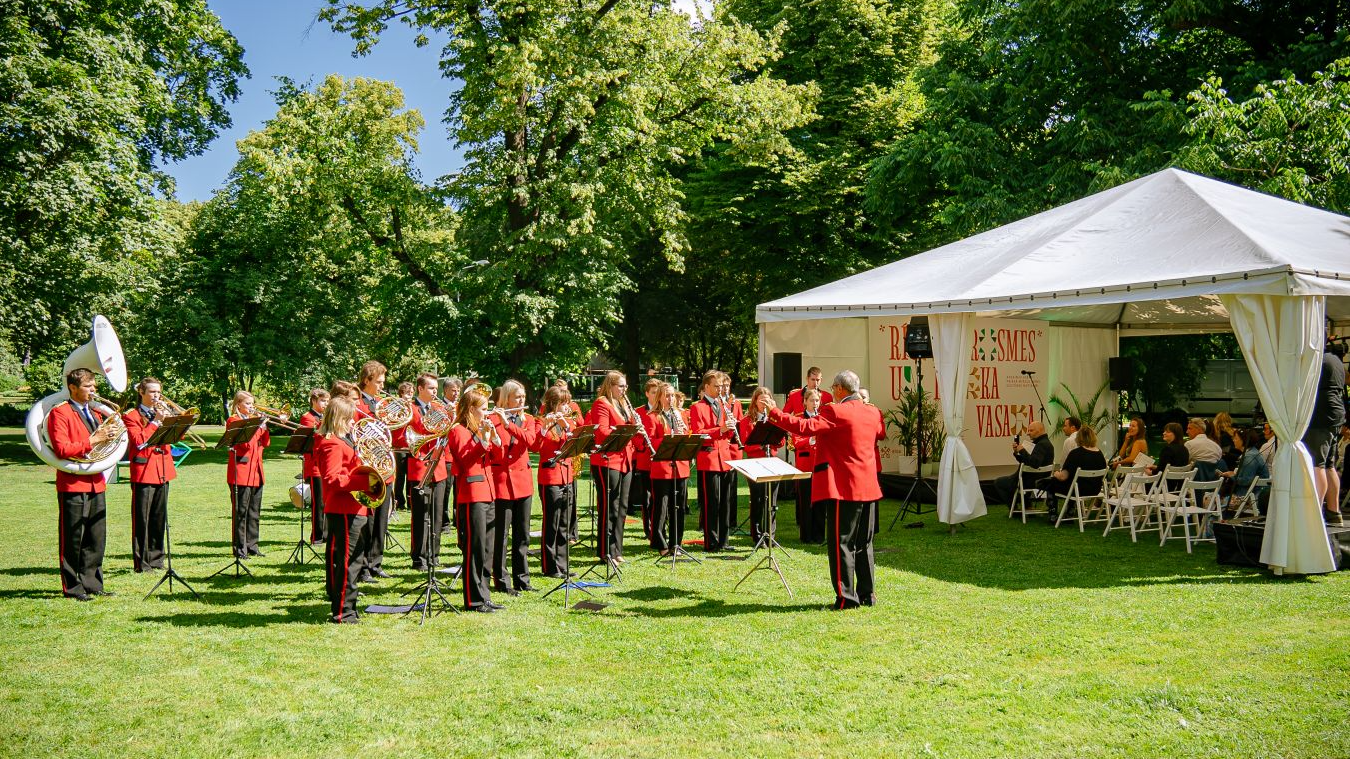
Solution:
(1130, 497)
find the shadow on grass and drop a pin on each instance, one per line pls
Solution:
(713, 607)
(307, 613)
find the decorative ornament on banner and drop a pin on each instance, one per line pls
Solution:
(1000, 399)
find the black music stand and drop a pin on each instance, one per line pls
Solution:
(301, 443)
(767, 435)
(618, 439)
(237, 432)
(171, 430)
(675, 448)
(431, 590)
(588, 431)
(769, 470)
(577, 444)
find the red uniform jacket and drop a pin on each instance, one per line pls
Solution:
(70, 438)
(150, 464)
(511, 476)
(846, 439)
(336, 459)
(795, 405)
(642, 457)
(806, 451)
(246, 458)
(417, 466)
(606, 416)
(473, 466)
(547, 443)
(664, 470)
(310, 467)
(715, 453)
(744, 426)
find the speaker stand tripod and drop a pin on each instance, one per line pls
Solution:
(911, 504)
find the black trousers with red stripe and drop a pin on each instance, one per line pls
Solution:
(762, 496)
(401, 484)
(612, 500)
(810, 516)
(343, 563)
(475, 524)
(149, 511)
(513, 517)
(246, 511)
(557, 507)
(667, 513)
(82, 527)
(425, 534)
(318, 521)
(640, 499)
(714, 516)
(377, 525)
(730, 503)
(447, 498)
(572, 533)
(848, 542)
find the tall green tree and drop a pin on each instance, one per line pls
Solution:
(93, 97)
(574, 117)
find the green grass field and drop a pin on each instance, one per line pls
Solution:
(1000, 640)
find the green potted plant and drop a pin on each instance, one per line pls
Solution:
(903, 420)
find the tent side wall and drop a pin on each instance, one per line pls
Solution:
(831, 344)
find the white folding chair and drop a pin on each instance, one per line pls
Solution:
(1118, 475)
(1133, 501)
(1020, 493)
(1080, 503)
(1198, 504)
(1248, 500)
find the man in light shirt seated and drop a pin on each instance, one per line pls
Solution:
(1071, 426)
(1205, 453)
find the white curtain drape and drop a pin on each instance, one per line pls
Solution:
(958, 495)
(1282, 338)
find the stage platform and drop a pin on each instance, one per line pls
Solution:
(897, 485)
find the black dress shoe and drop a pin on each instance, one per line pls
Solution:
(79, 596)
(256, 553)
(419, 567)
(495, 606)
(380, 573)
(364, 577)
(527, 588)
(510, 591)
(104, 593)
(484, 608)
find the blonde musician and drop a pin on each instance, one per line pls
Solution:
(555, 480)
(710, 416)
(810, 520)
(425, 545)
(245, 478)
(576, 463)
(514, 486)
(612, 472)
(761, 494)
(371, 385)
(151, 470)
(450, 388)
(318, 525)
(470, 445)
(336, 463)
(75, 428)
(640, 492)
(668, 478)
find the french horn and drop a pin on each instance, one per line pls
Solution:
(101, 355)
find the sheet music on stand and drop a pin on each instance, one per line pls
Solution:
(239, 431)
(618, 439)
(767, 435)
(768, 469)
(301, 441)
(172, 429)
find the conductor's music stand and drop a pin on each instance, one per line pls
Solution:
(171, 430)
(616, 441)
(301, 443)
(675, 448)
(770, 470)
(236, 432)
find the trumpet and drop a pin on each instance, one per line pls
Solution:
(166, 407)
(280, 417)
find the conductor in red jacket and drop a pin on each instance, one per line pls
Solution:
(245, 478)
(74, 428)
(845, 478)
(151, 470)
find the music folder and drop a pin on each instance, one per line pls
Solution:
(172, 429)
(239, 431)
(679, 447)
(301, 441)
(766, 434)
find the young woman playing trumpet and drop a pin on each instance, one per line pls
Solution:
(470, 444)
(612, 472)
(343, 476)
(514, 486)
(555, 480)
(668, 478)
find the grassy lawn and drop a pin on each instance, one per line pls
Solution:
(1000, 640)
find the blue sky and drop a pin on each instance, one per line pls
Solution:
(282, 38)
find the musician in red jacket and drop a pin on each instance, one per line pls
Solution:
(74, 429)
(762, 496)
(514, 486)
(245, 478)
(640, 490)
(406, 391)
(711, 416)
(425, 547)
(810, 519)
(796, 400)
(318, 525)
(668, 478)
(845, 477)
(555, 480)
(470, 445)
(337, 465)
(578, 418)
(371, 385)
(449, 395)
(151, 469)
(735, 451)
(611, 472)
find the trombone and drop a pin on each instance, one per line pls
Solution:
(167, 407)
(281, 417)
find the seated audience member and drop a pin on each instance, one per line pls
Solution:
(1269, 445)
(1084, 456)
(1225, 434)
(1135, 443)
(1071, 427)
(1250, 465)
(1041, 454)
(1205, 453)
(1173, 454)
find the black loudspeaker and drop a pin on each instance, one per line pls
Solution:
(918, 340)
(787, 372)
(1121, 369)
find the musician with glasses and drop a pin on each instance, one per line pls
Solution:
(371, 384)
(151, 470)
(611, 472)
(449, 391)
(75, 428)
(244, 475)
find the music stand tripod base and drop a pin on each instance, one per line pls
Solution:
(237, 565)
(429, 591)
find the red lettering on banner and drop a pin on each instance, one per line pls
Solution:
(1016, 345)
(989, 383)
(897, 345)
(897, 381)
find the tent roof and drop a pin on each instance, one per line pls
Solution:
(1153, 253)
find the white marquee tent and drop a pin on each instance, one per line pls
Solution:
(1170, 252)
